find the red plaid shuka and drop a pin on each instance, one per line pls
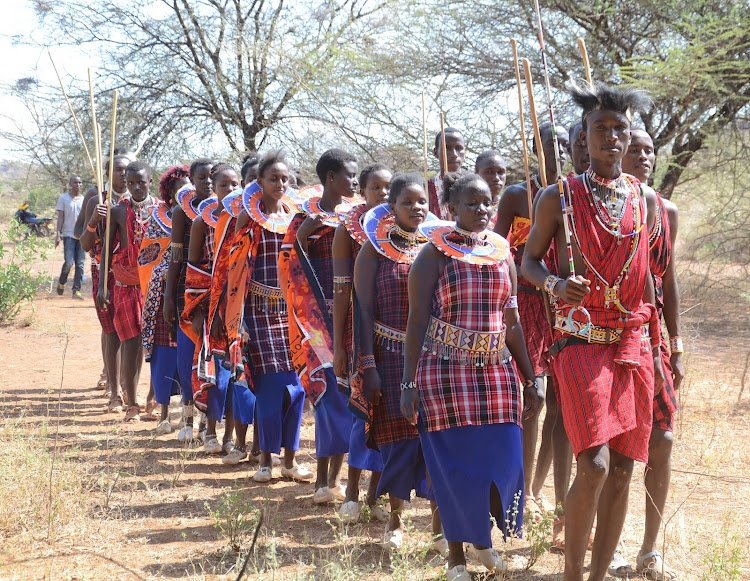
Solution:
(660, 255)
(391, 309)
(358, 403)
(104, 315)
(453, 394)
(434, 192)
(307, 283)
(606, 392)
(127, 298)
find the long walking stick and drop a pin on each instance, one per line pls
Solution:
(514, 47)
(109, 194)
(97, 144)
(73, 114)
(585, 57)
(424, 142)
(444, 167)
(535, 124)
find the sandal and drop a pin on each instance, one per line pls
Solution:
(115, 404)
(619, 567)
(102, 383)
(655, 568)
(133, 414)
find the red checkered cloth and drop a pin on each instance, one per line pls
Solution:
(104, 315)
(603, 402)
(127, 304)
(180, 288)
(452, 394)
(391, 309)
(223, 242)
(536, 328)
(660, 255)
(433, 197)
(606, 391)
(268, 328)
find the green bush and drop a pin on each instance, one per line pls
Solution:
(18, 283)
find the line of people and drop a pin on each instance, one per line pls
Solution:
(419, 322)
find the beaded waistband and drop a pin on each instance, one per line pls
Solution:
(266, 298)
(591, 333)
(464, 345)
(393, 339)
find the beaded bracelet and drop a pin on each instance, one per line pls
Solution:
(512, 302)
(529, 383)
(409, 385)
(550, 283)
(676, 345)
(367, 362)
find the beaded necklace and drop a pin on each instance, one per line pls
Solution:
(609, 198)
(611, 290)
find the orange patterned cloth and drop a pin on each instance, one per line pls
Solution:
(519, 232)
(223, 240)
(241, 262)
(310, 326)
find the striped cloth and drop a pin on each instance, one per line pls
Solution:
(660, 255)
(452, 394)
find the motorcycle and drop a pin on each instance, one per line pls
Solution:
(37, 226)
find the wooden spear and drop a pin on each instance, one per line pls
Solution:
(585, 56)
(424, 142)
(529, 197)
(111, 189)
(535, 124)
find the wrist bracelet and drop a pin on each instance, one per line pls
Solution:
(367, 362)
(676, 345)
(512, 302)
(529, 383)
(409, 385)
(550, 283)
(91, 228)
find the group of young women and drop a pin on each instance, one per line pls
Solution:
(401, 329)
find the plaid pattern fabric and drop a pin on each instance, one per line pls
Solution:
(452, 394)
(268, 347)
(434, 192)
(660, 254)
(180, 292)
(604, 402)
(320, 254)
(536, 329)
(392, 309)
(127, 304)
(104, 315)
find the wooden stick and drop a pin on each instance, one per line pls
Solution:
(585, 55)
(424, 142)
(529, 197)
(73, 114)
(442, 143)
(535, 124)
(111, 189)
(97, 144)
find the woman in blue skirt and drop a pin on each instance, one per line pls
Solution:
(459, 384)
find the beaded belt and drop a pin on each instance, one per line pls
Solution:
(591, 333)
(267, 298)
(393, 339)
(464, 345)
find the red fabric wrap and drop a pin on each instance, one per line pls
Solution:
(104, 315)
(126, 275)
(606, 391)
(127, 307)
(433, 199)
(603, 402)
(391, 309)
(310, 335)
(660, 255)
(536, 330)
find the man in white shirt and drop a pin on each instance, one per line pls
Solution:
(68, 208)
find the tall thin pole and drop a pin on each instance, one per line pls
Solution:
(530, 200)
(424, 141)
(585, 56)
(111, 189)
(97, 144)
(535, 124)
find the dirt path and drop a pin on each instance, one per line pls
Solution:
(140, 505)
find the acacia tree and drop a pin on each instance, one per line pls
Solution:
(692, 56)
(222, 73)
